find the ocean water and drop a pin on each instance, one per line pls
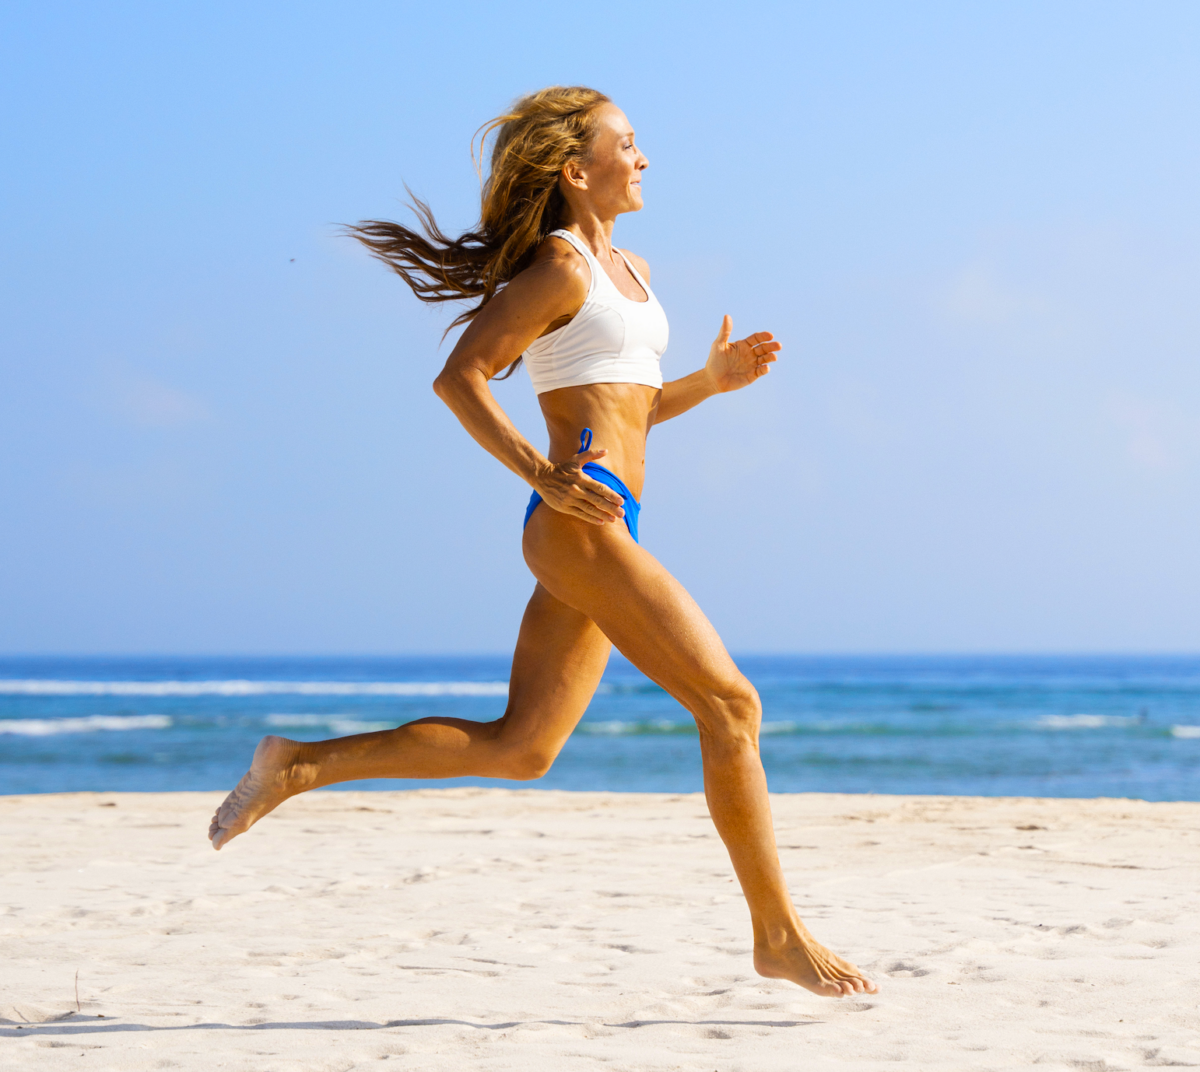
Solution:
(1079, 727)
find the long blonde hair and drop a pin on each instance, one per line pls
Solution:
(522, 204)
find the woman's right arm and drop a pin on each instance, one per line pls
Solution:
(551, 289)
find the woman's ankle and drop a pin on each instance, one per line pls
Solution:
(780, 933)
(293, 768)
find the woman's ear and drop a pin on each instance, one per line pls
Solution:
(574, 176)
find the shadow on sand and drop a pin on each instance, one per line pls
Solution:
(86, 1025)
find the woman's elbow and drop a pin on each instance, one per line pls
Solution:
(443, 385)
(456, 383)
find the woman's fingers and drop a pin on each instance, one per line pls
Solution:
(603, 495)
(763, 348)
(575, 493)
(580, 501)
(609, 509)
(763, 342)
(589, 511)
(595, 502)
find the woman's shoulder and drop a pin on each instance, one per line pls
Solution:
(643, 269)
(556, 274)
(558, 263)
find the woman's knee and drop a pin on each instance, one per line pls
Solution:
(521, 760)
(731, 712)
(526, 766)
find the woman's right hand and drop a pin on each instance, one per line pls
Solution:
(568, 489)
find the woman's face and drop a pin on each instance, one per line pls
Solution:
(610, 180)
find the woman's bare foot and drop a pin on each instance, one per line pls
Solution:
(267, 784)
(806, 962)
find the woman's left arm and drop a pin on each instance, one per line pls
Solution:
(730, 366)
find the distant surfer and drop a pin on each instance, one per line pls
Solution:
(549, 287)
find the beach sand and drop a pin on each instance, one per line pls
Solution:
(535, 930)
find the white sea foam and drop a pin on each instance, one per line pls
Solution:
(45, 687)
(1185, 731)
(1084, 722)
(614, 727)
(655, 725)
(338, 724)
(49, 727)
(665, 725)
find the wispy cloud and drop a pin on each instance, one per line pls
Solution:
(976, 295)
(1157, 436)
(153, 404)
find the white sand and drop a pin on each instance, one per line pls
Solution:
(547, 932)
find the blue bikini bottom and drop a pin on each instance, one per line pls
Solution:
(606, 477)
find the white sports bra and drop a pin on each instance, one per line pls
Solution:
(612, 339)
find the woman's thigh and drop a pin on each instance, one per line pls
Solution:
(558, 662)
(605, 575)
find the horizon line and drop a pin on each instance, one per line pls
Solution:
(995, 653)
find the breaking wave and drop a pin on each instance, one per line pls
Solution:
(41, 687)
(1084, 722)
(338, 724)
(50, 727)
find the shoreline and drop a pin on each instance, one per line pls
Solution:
(783, 794)
(543, 929)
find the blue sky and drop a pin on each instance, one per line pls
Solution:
(974, 227)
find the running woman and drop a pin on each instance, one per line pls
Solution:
(549, 288)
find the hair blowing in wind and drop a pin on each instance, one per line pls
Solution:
(540, 134)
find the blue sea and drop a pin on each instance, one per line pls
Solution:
(1071, 727)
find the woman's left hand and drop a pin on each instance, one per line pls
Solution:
(732, 365)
